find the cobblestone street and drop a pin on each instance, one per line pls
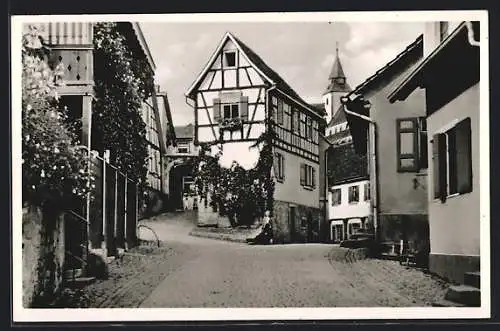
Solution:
(195, 272)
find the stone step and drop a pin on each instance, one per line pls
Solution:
(447, 303)
(464, 294)
(473, 279)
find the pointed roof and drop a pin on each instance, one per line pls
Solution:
(336, 85)
(338, 118)
(262, 68)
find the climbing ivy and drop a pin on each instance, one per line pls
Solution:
(123, 81)
(54, 170)
(241, 195)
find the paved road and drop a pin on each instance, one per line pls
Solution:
(225, 274)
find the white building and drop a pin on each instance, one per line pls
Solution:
(349, 194)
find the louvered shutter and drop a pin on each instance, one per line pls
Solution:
(216, 108)
(313, 177)
(435, 166)
(302, 174)
(442, 166)
(282, 160)
(244, 108)
(464, 156)
(280, 112)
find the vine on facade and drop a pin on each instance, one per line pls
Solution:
(123, 81)
(55, 170)
(241, 195)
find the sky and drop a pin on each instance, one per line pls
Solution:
(302, 53)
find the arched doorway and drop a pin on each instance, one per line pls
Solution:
(180, 182)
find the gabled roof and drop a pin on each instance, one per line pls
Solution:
(412, 51)
(409, 83)
(338, 118)
(262, 68)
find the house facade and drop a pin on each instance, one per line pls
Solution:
(236, 99)
(158, 120)
(348, 205)
(453, 114)
(393, 137)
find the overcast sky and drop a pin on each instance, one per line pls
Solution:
(302, 53)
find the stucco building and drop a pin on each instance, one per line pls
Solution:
(453, 114)
(236, 98)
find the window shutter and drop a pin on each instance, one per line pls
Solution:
(216, 109)
(282, 159)
(441, 166)
(464, 156)
(313, 177)
(435, 167)
(276, 165)
(302, 174)
(244, 108)
(280, 112)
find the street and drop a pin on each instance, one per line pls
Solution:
(213, 273)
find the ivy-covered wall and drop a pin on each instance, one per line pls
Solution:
(344, 164)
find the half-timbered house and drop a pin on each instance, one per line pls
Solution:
(236, 98)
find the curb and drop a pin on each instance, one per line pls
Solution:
(216, 236)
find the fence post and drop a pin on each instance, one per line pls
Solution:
(115, 231)
(104, 218)
(125, 233)
(136, 210)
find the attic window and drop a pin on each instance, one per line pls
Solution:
(230, 59)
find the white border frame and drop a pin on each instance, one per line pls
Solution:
(21, 314)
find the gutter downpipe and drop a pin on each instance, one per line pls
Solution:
(470, 35)
(273, 87)
(325, 198)
(373, 167)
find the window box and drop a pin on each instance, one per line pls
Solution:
(231, 124)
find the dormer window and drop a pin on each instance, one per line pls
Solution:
(230, 59)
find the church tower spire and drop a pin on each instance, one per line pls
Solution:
(337, 86)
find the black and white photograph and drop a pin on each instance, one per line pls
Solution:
(324, 165)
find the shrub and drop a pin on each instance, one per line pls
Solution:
(54, 166)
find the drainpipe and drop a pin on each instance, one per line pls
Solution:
(373, 166)
(470, 34)
(273, 87)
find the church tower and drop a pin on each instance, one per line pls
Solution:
(337, 87)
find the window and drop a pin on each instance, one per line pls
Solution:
(411, 144)
(231, 111)
(279, 167)
(230, 59)
(303, 124)
(367, 191)
(295, 123)
(452, 161)
(279, 117)
(309, 131)
(287, 110)
(336, 197)
(183, 148)
(307, 175)
(353, 194)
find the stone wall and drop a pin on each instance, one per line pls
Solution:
(43, 256)
(296, 230)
